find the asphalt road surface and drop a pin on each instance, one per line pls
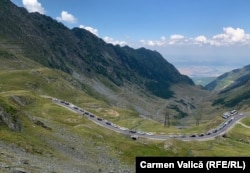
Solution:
(211, 134)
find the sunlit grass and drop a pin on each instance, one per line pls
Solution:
(32, 83)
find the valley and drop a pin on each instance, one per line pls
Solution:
(70, 102)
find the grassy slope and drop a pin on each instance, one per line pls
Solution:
(29, 81)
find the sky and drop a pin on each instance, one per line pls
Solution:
(199, 37)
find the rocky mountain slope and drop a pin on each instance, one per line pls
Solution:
(230, 80)
(40, 57)
(76, 50)
(118, 74)
(232, 88)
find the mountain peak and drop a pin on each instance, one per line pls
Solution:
(50, 43)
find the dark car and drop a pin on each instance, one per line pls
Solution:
(132, 131)
(108, 123)
(215, 130)
(202, 134)
(208, 133)
(100, 119)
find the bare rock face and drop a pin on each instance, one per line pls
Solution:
(9, 119)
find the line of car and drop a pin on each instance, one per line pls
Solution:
(221, 126)
(134, 132)
(84, 112)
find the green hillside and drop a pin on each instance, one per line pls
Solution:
(119, 84)
(230, 80)
(76, 50)
(75, 143)
(139, 79)
(232, 88)
(72, 142)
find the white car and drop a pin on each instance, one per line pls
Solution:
(114, 125)
(123, 128)
(141, 133)
(149, 133)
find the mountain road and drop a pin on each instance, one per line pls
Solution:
(211, 134)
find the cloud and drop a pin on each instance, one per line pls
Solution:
(33, 6)
(205, 55)
(66, 17)
(160, 42)
(114, 42)
(200, 39)
(230, 36)
(90, 29)
(177, 39)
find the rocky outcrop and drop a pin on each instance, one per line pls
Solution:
(9, 119)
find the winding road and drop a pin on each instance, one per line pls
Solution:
(211, 134)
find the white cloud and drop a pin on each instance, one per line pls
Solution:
(90, 29)
(230, 36)
(33, 6)
(200, 39)
(176, 37)
(205, 55)
(66, 17)
(160, 42)
(114, 42)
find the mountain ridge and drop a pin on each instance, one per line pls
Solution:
(54, 45)
(232, 88)
(113, 83)
(230, 80)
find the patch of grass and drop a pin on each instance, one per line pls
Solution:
(240, 133)
(28, 139)
(117, 145)
(246, 121)
(31, 83)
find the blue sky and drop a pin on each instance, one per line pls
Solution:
(199, 37)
